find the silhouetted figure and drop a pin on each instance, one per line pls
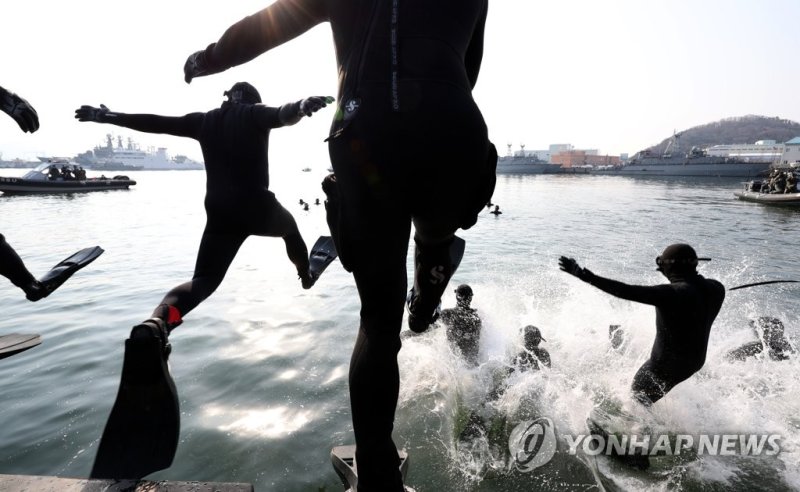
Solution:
(463, 325)
(772, 337)
(534, 356)
(53, 172)
(685, 310)
(238, 202)
(409, 144)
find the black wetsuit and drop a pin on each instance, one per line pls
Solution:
(530, 360)
(234, 140)
(463, 331)
(12, 267)
(409, 143)
(685, 310)
(777, 351)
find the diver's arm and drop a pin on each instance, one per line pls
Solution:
(255, 34)
(291, 113)
(653, 295)
(180, 126)
(20, 110)
(474, 55)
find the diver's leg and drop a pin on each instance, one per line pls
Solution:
(13, 268)
(217, 251)
(648, 386)
(433, 268)
(380, 274)
(279, 222)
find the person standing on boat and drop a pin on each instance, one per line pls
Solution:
(408, 144)
(685, 310)
(791, 182)
(238, 203)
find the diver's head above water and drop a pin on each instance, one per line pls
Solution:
(533, 337)
(242, 93)
(678, 261)
(463, 295)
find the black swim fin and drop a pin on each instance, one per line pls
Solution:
(322, 254)
(639, 461)
(15, 343)
(431, 276)
(343, 459)
(141, 435)
(64, 270)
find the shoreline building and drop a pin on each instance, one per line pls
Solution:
(761, 151)
(791, 153)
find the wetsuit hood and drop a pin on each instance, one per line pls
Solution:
(463, 295)
(678, 260)
(243, 93)
(533, 337)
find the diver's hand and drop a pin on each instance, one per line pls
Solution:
(21, 110)
(90, 113)
(571, 266)
(197, 65)
(311, 105)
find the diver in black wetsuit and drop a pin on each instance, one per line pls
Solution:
(234, 140)
(533, 355)
(774, 340)
(13, 268)
(685, 310)
(463, 325)
(408, 144)
(11, 265)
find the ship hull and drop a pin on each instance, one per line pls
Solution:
(522, 166)
(737, 170)
(15, 186)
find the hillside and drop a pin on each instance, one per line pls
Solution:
(744, 129)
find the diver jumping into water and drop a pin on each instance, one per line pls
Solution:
(463, 325)
(685, 310)
(234, 140)
(11, 265)
(774, 341)
(409, 144)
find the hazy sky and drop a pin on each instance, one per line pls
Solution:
(616, 75)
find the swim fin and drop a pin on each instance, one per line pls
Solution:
(322, 254)
(343, 459)
(141, 435)
(64, 270)
(638, 460)
(15, 343)
(432, 277)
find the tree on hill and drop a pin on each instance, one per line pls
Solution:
(737, 130)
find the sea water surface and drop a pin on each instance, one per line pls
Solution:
(261, 366)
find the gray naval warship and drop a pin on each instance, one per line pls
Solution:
(696, 162)
(521, 163)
